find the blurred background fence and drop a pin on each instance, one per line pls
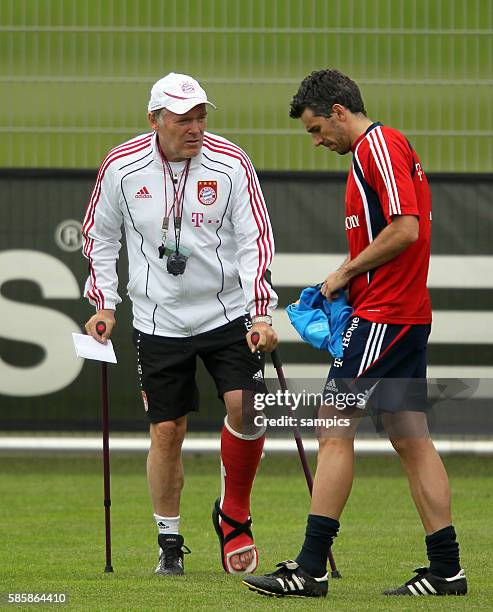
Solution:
(74, 82)
(75, 74)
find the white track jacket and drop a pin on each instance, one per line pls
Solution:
(225, 226)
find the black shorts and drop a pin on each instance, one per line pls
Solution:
(385, 362)
(166, 368)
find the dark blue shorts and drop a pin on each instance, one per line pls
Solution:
(387, 362)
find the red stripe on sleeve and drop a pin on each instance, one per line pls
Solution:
(121, 151)
(257, 205)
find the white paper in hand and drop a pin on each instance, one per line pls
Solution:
(87, 347)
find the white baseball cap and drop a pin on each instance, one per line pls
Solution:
(178, 93)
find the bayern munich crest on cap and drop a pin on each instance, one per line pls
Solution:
(187, 87)
(207, 192)
(178, 93)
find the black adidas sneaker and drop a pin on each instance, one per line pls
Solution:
(425, 583)
(288, 581)
(171, 558)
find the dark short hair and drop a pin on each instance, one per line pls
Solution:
(321, 89)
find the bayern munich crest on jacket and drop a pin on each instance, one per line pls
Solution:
(207, 192)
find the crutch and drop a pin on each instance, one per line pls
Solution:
(277, 363)
(101, 328)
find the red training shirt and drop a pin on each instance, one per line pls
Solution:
(386, 179)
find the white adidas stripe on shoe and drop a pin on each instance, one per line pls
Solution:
(288, 581)
(426, 583)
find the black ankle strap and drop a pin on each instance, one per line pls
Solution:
(238, 528)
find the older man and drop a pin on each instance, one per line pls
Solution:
(199, 246)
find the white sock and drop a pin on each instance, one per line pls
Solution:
(168, 524)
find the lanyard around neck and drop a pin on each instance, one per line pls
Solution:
(178, 198)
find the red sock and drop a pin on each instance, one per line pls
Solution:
(240, 459)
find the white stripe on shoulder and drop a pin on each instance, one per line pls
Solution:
(378, 157)
(379, 135)
(356, 156)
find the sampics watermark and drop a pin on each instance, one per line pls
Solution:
(291, 421)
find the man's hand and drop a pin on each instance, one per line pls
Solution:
(108, 317)
(335, 281)
(268, 338)
(400, 233)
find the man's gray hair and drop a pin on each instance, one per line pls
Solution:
(158, 115)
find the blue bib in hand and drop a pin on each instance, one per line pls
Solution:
(319, 322)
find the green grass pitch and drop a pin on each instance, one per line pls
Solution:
(52, 534)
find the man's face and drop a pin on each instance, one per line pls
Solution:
(181, 136)
(331, 132)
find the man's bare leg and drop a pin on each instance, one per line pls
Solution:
(331, 488)
(335, 463)
(333, 477)
(425, 471)
(165, 467)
